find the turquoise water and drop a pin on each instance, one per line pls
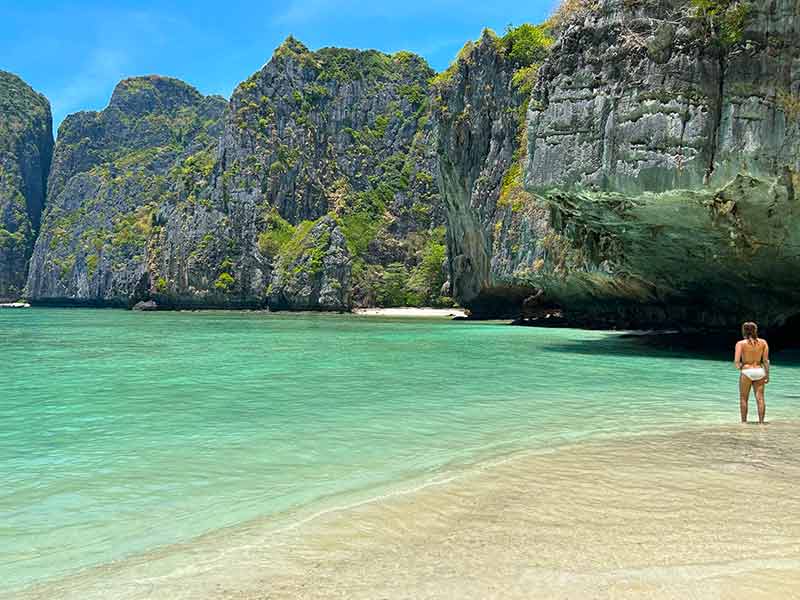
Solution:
(121, 432)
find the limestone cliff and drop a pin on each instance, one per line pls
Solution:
(337, 138)
(26, 146)
(665, 137)
(631, 162)
(499, 235)
(312, 189)
(659, 154)
(116, 178)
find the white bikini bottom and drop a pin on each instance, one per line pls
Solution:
(754, 373)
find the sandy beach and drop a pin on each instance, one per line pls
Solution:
(706, 514)
(441, 313)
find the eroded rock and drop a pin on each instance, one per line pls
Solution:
(672, 168)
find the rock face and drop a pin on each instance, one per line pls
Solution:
(660, 160)
(336, 142)
(145, 306)
(26, 147)
(667, 144)
(499, 235)
(309, 190)
(118, 180)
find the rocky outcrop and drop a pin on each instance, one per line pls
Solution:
(659, 157)
(314, 271)
(666, 142)
(145, 306)
(26, 146)
(192, 201)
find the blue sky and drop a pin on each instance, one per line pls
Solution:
(74, 52)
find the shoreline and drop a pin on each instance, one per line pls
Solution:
(415, 312)
(394, 312)
(615, 517)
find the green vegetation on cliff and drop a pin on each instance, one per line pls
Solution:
(116, 176)
(26, 145)
(21, 108)
(526, 44)
(276, 234)
(524, 47)
(724, 20)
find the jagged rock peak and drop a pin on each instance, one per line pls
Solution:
(113, 171)
(18, 99)
(315, 189)
(291, 45)
(143, 112)
(494, 227)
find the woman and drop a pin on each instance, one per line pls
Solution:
(752, 359)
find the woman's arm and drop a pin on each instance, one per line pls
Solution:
(765, 360)
(737, 356)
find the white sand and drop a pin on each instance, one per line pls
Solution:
(411, 312)
(708, 514)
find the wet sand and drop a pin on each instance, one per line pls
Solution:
(705, 514)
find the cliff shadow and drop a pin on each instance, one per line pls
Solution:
(716, 346)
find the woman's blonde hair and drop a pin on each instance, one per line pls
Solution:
(750, 331)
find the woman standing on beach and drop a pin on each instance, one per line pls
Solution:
(752, 359)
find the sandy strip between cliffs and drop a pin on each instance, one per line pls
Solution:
(441, 313)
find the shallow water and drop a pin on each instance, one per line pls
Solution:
(126, 432)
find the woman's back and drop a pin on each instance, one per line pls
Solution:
(753, 351)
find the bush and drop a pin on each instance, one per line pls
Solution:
(427, 279)
(224, 282)
(131, 231)
(391, 291)
(359, 230)
(196, 170)
(413, 93)
(725, 19)
(525, 78)
(277, 234)
(527, 44)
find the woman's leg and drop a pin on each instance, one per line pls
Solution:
(758, 387)
(744, 392)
